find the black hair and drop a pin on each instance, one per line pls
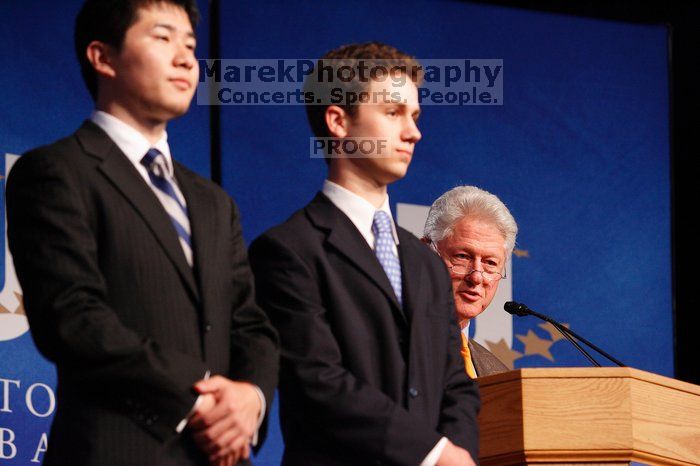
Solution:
(107, 21)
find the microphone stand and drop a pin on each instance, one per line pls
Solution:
(518, 309)
(563, 330)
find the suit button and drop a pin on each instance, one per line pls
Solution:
(413, 392)
(207, 328)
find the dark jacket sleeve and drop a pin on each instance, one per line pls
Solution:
(254, 341)
(57, 263)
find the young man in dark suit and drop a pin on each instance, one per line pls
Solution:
(370, 366)
(133, 268)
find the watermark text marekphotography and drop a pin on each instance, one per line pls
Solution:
(348, 82)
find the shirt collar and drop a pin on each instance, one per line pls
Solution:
(359, 211)
(465, 330)
(129, 140)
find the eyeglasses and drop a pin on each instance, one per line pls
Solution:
(461, 271)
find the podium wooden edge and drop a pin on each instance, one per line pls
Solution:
(584, 456)
(587, 372)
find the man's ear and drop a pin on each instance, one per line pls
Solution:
(100, 56)
(336, 121)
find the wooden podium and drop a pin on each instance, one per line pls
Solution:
(588, 416)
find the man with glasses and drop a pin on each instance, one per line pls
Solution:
(474, 234)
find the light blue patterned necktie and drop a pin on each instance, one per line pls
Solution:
(170, 196)
(384, 249)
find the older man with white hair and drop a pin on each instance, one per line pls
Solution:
(474, 233)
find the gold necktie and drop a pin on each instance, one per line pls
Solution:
(467, 355)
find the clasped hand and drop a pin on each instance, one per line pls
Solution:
(225, 419)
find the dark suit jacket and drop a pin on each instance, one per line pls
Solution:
(112, 301)
(484, 360)
(363, 380)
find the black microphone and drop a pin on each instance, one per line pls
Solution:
(519, 309)
(511, 307)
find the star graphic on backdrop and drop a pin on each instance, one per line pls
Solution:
(536, 345)
(20, 309)
(521, 252)
(552, 330)
(502, 352)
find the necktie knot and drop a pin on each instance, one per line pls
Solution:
(381, 223)
(154, 158)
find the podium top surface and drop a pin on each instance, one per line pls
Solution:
(587, 372)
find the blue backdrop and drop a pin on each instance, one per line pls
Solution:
(579, 151)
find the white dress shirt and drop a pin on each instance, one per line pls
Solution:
(132, 143)
(359, 211)
(361, 214)
(465, 330)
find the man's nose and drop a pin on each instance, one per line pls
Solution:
(411, 132)
(185, 57)
(474, 276)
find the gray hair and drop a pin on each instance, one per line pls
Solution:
(469, 201)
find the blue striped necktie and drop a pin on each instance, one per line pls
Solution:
(170, 197)
(384, 249)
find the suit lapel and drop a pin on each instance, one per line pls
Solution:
(414, 303)
(485, 362)
(202, 227)
(411, 273)
(476, 358)
(344, 237)
(122, 174)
